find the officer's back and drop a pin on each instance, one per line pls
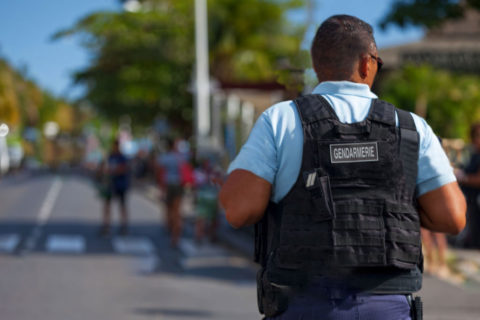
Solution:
(338, 183)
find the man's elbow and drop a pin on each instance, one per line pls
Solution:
(456, 227)
(458, 213)
(235, 219)
(460, 220)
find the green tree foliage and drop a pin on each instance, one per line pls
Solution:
(9, 105)
(427, 13)
(450, 102)
(24, 104)
(142, 62)
(249, 38)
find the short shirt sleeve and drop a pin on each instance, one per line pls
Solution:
(434, 169)
(258, 155)
(274, 148)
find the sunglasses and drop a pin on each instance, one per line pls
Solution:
(379, 61)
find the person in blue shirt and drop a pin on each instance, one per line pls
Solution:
(170, 181)
(117, 187)
(346, 61)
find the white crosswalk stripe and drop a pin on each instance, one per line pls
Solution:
(9, 242)
(133, 245)
(190, 249)
(65, 244)
(206, 255)
(77, 244)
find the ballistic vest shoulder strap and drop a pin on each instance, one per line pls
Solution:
(313, 107)
(383, 112)
(409, 147)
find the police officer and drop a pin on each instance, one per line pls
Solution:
(337, 184)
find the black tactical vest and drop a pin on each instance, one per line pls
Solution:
(350, 219)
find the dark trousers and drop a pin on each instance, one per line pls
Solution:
(352, 307)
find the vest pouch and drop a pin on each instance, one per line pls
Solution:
(320, 195)
(272, 299)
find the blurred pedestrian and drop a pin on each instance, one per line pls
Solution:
(116, 171)
(435, 245)
(206, 203)
(469, 179)
(169, 168)
(102, 181)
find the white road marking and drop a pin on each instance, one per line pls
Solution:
(8, 242)
(148, 264)
(65, 244)
(133, 245)
(209, 262)
(44, 214)
(207, 255)
(47, 206)
(190, 249)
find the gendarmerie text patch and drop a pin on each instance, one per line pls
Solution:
(354, 152)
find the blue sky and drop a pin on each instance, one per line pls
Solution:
(27, 25)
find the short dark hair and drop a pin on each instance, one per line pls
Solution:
(338, 43)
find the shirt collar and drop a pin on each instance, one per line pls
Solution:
(344, 88)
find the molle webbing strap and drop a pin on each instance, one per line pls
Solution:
(408, 225)
(409, 144)
(343, 239)
(401, 238)
(358, 224)
(358, 208)
(313, 108)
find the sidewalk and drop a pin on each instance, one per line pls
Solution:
(467, 263)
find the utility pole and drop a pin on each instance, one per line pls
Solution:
(202, 79)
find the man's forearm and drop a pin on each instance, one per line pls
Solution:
(244, 197)
(443, 209)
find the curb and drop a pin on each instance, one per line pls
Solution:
(467, 263)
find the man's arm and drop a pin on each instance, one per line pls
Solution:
(244, 196)
(443, 209)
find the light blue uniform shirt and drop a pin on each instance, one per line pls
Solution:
(274, 148)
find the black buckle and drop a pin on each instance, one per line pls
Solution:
(416, 307)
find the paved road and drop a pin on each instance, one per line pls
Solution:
(446, 301)
(54, 266)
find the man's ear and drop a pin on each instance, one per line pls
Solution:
(363, 67)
